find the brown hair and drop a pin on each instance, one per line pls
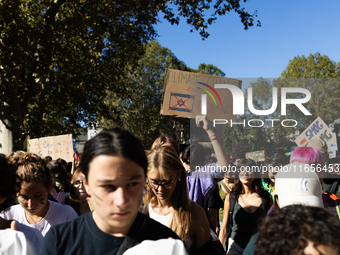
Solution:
(257, 183)
(15, 156)
(166, 161)
(165, 139)
(59, 176)
(31, 169)
(73, 195)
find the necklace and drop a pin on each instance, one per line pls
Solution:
(164, 214)
(40, 223)
(40, 218)
(34, 222)
(37, 225)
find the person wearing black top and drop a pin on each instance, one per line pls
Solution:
(82, 236)
(114, 165)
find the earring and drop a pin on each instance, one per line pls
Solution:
(179, 178)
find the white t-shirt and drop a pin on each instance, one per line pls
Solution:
(15, 243)
(57, 213)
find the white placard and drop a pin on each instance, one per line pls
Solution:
(316, 130)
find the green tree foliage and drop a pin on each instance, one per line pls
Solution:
(313, 66)
(58, 58)
(208, 69)
(52, 54)
(139, 110)
(195, 11)
(320, 75)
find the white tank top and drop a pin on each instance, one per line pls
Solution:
(163, 219)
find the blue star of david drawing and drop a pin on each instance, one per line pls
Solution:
(180, 102)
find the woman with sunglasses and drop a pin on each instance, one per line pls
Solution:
(79, 200)
(166, 199)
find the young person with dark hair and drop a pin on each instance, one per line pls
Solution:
(12, 241)
(251, 203)
(237, 157)
(35, 210)
(299, 229)
(61, 183)
(185, 158)
(114, 164)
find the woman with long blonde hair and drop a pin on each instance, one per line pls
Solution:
(166, 199)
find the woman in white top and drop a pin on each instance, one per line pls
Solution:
(166, 199)
(34, 209)
(30, 238)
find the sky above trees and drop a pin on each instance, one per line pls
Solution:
(288, 28)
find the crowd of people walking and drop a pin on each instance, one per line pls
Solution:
(124, 200)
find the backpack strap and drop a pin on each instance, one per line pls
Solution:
(331, 190)
(127, 244)
(232, 202)
(225, 186)
(135, 230)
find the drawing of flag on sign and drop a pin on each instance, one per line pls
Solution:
(303, 141)
(181, 102)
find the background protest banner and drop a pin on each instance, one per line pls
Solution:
(316, 130)
(256, 155)
(333, 148)
(55, 146)
(183, 90)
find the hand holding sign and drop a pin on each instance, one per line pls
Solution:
(201, 121)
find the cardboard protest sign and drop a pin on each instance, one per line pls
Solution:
(55, 146)
(316, 130)
(256, 155)
(183, 90)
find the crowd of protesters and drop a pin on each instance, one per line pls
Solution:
(122, 200)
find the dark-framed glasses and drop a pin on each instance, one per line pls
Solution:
(166, 184)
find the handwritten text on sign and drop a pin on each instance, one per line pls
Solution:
(316, 130)
(55, 146)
